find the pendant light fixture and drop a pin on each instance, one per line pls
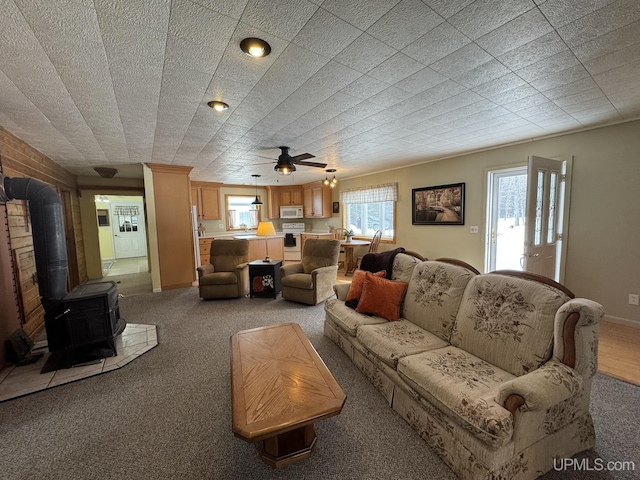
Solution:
(257, 200)
(333, 182)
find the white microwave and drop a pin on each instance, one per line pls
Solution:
(293, 211)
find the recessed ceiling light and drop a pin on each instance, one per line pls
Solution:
(218, 106)
(255, 47)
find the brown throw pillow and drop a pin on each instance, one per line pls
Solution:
(357, 282)
(381, 297)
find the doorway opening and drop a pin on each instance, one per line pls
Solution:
(527, 217)
(506, 217)
(121, 234)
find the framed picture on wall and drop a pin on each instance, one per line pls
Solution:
(336, 207)
(441, 205)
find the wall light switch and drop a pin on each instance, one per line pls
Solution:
(473, 229)
(634, 299)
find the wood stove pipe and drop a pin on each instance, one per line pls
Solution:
(49, 245)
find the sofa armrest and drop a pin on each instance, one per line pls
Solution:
(205, 270)
(541, 389)
(341, 290)
(576, 330)
(241, 266)
(290, 269)
(324, 272)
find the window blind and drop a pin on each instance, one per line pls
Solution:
(122, 211)
(375, 193)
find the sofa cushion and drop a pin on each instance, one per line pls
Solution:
(508, 321)
(357, 282)
(394, 340)
(434, 295)
(463, 386)
(219, 278)
(403, 266)
(347, 319)
(298, 280)
(381, 297)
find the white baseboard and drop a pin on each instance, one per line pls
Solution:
(157, 290)
(621, 321)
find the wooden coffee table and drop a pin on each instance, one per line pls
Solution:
(279, 388)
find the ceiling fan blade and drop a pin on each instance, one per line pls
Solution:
(312, 164)
(302, 156)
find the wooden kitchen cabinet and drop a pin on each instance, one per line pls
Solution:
(206, 198)
(283, 197)
(205, 250)
(291, 196)
(258, 248)
(317, 200)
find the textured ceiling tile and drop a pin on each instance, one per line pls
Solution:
(580, 97)
(405, 23)
(364, 53)
(360, 14)
(561, 12)
(461, 61)
(283, 18)
(326, 34)
(499, 85)
(365, 87)
(448, 8)
(517, 32)
(136, 12)
(563, 77)
(231, 8)
(390, 96)
(396, 68)
(532, 52)
(549, 66)
(421, 81)
(598, 103)
(614, 60)
(483, 16)
(200, 25)
(482, 74)
(609, 43)
(600, 22)
(581, 85)
(437, 44)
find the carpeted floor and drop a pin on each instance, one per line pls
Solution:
(168, 414)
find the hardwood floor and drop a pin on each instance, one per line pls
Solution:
(618, 352)
(618, 348)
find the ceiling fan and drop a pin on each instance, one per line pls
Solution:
(286, 164)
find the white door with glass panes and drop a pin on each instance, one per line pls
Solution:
(129, 238)
(545, 192)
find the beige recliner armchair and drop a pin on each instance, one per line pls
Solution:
(312, 280)
(227, 274)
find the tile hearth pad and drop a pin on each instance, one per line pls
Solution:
(16, 381)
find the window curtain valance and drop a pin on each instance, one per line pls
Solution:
(375, 193)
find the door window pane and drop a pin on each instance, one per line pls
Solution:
(537, 238)
(551, 228)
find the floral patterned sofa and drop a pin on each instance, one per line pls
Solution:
(492, 370)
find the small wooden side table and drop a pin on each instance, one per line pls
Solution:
(264, 278)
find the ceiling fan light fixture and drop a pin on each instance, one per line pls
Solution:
(257, 200)
(284, 169)
(218, 106)
(255, 47)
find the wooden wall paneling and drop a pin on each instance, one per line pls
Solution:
(73, 278)
(32, 312)
(171, 187)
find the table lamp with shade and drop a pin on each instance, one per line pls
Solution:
(266, 229)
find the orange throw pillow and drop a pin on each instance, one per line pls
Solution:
(381, 297)
(355, 290)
